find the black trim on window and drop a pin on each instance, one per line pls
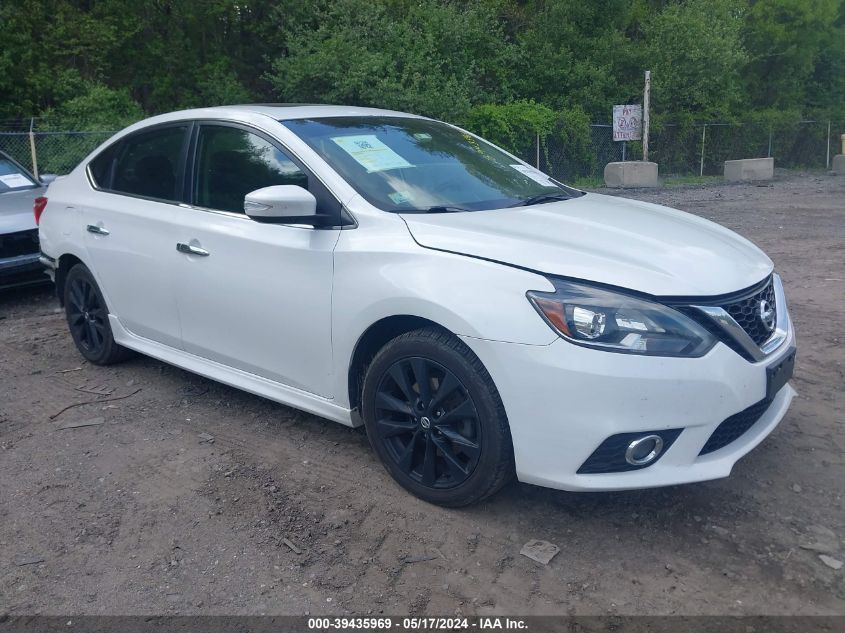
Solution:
(117, 147)
(328, 205)
(187, 163)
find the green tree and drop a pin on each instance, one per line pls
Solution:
(695, 52)
(433, 58)
(797, 54)
(710, 58)
(98, 108)
(578, 54)
(47, 50)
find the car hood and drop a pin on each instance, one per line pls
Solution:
(16, 210)
(626, 243)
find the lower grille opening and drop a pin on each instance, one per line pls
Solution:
(735, 426)
(609, 457)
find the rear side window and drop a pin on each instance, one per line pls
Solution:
(231, 162)
(148, 164)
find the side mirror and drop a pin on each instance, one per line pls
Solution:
(46, 179)
(282, 204)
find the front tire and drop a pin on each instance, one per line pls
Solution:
(88, 319)
(435, 419)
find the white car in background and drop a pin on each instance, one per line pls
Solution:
(480, 318)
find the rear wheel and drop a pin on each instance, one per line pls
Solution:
(88, 319)
(435, 419)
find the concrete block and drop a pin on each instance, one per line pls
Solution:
(749, 169)
(632, 173)
(838, 165)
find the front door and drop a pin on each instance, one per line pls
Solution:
(253, 296)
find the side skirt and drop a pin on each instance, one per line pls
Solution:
(237, 378)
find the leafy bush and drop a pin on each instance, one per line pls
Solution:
(516, 126)
(97, 108)
(428, 57)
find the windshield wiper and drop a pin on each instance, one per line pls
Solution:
(541, 198)
(437, 209)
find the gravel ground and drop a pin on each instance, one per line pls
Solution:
(185, 496)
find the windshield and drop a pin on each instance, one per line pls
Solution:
(407, 165)
(13, 177)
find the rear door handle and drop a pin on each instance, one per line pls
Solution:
(97, 230)
(190, 249)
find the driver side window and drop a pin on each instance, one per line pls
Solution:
(231, 162)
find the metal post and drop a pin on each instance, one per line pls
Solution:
(623, 151)
(32, 149)
(827, 159)
(769, 153)
(646, 101)
(703, 137)
(537, 164)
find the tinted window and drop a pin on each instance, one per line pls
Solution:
(13, 177)
(100, 168)
(232, 162)
(148, 163)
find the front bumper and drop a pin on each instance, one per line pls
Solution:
(563, 401)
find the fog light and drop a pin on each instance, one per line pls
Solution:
(644, 450)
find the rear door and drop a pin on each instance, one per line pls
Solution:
(130, 221)
(254, 296)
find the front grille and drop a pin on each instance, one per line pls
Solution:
(733, 427)
(20, 243)
(746, 312)
(742, 306)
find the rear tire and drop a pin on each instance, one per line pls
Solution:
(88, 319)
(435, 419)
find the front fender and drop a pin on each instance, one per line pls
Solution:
(467, 296)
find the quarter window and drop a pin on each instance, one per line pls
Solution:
(231, 162)
(100, 168)
(148, 164)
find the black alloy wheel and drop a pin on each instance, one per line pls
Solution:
(428, 423)
(435, 418)
(88, 318)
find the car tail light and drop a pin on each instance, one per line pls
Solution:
(38, 208)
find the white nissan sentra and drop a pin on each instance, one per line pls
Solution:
(481, 319)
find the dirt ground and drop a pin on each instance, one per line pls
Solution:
(179, 498)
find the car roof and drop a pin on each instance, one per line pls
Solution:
(283, 111)
(275, 111)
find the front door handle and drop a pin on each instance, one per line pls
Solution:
(97, 230)
(190, 249)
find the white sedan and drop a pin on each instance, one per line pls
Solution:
(481, 319)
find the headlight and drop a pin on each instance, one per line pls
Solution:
(616, 322)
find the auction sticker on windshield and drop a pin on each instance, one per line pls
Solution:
(13, 181)
(534, 174)
(370, 152)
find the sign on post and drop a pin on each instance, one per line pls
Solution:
(627, 122)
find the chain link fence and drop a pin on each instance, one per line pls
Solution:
(50, 152)
(680, 150)
(690, 150)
